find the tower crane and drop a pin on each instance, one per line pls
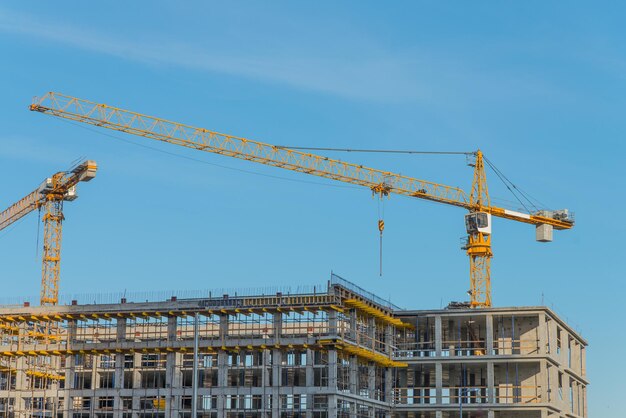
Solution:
(50, 196)
(383, 183)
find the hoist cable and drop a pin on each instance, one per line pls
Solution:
(380, 151)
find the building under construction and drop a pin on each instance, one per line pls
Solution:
(341, 352)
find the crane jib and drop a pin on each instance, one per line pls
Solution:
(478, 222)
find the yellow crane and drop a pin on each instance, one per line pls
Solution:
(478, 221)
(50, 196)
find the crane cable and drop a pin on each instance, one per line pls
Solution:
(381, 151)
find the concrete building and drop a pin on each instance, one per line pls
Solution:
(340, 353)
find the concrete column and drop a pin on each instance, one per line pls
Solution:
(265, 381)
(389, 337)
(118, 384)
(583, 356)
(277, 321)
(222, 381)
(371, 380)
(332, 370)
(277, 357)
(438, 336)
(95, 376)
(172, 372)
(332, 323)
(309, 368)
(118, 374)
(490, 383)
(309, 381)
(136, 384)
(332, 383)
(223, 328)
(353, 334)
(551, 330)
(332, 406)
(95, 380)
(489, 336)
(439, 383)
(353, 375)
(543, 381)
(371, 332)
(388, 389)
(70, 367)
(542, 334)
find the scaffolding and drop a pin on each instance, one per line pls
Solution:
(342, 352)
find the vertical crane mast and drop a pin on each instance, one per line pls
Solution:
(479, 237)
(51, 258)
(50, 197)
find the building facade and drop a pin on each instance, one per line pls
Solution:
(340, 353)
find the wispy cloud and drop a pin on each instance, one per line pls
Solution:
(355, 68)
(378, 76)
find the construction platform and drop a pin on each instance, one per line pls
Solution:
(340, 353)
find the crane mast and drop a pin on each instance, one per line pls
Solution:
(478, 221)
(49, 197)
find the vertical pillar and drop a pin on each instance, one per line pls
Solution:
(371, 332)
(332, 383)
(265, 382)
(118, 384)
(551, 330)
(353, 375)
(439, 383)
(277, 356)
(489, 336)
(389, 343)
(223, 328)
(438, 336)
(332, 323)
(371, 380)
(95, 376)
(222, 381)
(222, 367)
(309, 381)
(95, 380)
(490, 382)
(353, 318)
(542, 334)
(136, 384)
(172, 371)
(388, 389)
(21, 387)
(544, 381)
(70, 367)
(118, 374)
(277, 321)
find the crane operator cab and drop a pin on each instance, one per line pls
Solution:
(476, 222)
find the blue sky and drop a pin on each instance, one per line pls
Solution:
(538, 87)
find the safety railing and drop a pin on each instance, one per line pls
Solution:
(415, 396)
(509, 346)
(415, 349)
(460, 348)
(464, 395)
